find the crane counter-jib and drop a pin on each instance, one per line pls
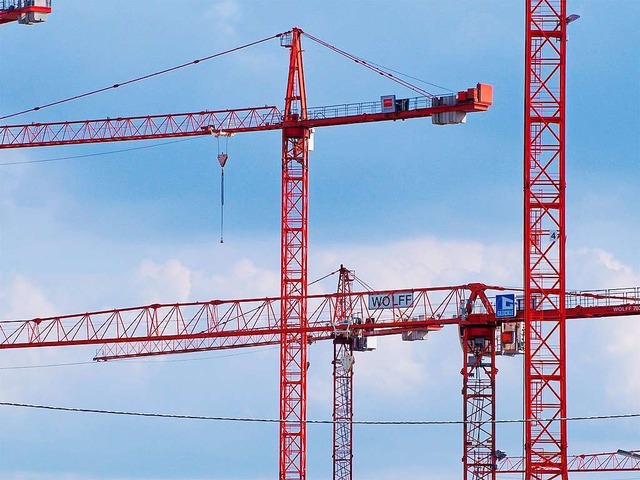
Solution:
(449, 109)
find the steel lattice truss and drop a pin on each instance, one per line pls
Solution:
(479, 377)
(239, 120)
(595, 462)
(141, 128)
(544, 241)
(342, 409)
(343, 361)
(293, 320)
(220, 324)
(293, 271)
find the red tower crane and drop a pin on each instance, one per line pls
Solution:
(545, 299)
(222, 324)
(26, 12)
(483, 334)
(296, 122)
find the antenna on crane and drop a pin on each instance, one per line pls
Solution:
(222, 159)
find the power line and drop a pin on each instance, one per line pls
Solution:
(143, 77)
(309, 422)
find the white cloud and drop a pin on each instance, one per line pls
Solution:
(24, 299)
(610, 347)
(223, 277)
(595, 268)
(160, 282)
(427, 261)
(224, 14)
(394, 370)
(623, 378)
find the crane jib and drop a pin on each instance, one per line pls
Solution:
(447, 109)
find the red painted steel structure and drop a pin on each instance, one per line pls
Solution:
(593, 462)
(221, 324)
(296, 122)
(343, 361)
(14, 10)
(161, 328)
(154, 127)
(544, 241)
(293, 271)
(478, 340)
(150, 329)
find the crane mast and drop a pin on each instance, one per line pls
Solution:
(545, 371)
(343, 362)
(478, 341)
(158, 329)
(293, 270)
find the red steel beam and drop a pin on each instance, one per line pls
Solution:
(593, 462)
(225, 318)
(240, 120)
(182, 325)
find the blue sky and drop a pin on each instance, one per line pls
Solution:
(404, 204)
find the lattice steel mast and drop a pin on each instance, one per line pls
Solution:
(343, 362)
(293, 286)
(544, 241)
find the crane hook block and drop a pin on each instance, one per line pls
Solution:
(222, 158)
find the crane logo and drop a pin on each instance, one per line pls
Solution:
(390, 300)
(506, 306)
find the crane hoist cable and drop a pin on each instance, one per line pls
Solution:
(223, 156)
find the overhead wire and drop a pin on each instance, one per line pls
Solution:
(308, 421)
(142, 77)
(372, 66)
(406, 75)
(322, 278)
(363, 283)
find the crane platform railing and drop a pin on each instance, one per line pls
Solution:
(361, 108)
